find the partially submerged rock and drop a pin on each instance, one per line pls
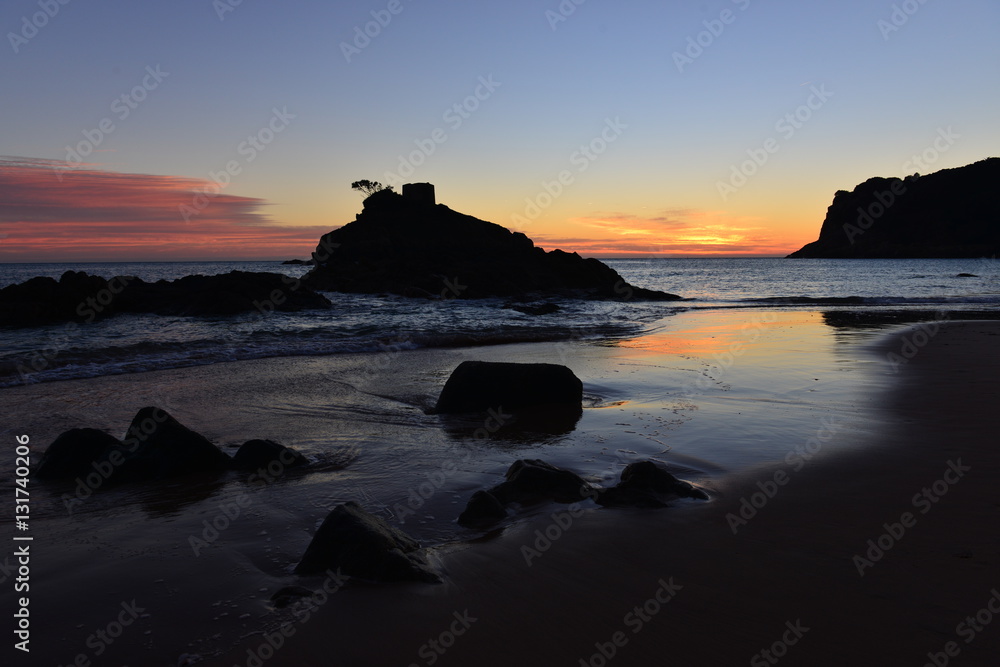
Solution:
(528, 481)
(163, 447)
(484, 509)
(79, 452)
(156, 446)
(80, 297)
(481, 385)
(647, 484)
(363, 545)
(256, 454)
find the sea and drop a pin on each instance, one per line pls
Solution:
(376, 323)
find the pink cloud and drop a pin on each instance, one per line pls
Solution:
(51, 213)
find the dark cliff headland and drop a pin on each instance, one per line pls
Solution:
(951, 213)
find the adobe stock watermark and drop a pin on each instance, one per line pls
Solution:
(302, 610)
(714, 28)
(42, 358)
(779, 648)
(635, 620)
(454, 116)
(102, 638)
(582, 158)
(941, 144)
(363, 35)
(121, 108)
(786, 126)
(230, 510)
(795, 459)
(969, 628)
(223, 7)
(922, 501)
(545, 537)
(31, 25)
(250, 148)
(562, 12)
(418, 495)
(885, 199)
(916, 340)
(436, 647)
(900, 16)
(103, 470)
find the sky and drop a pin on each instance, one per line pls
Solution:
(232, 129)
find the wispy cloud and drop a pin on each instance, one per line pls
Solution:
(51, 213)
(672, 232)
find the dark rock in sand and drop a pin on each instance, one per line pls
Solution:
(80, 452)
(528, 482)
(256, 454)
(79, 297)
(163, 447)
(363, 545)
(483, 510)
(950, 213)
(481, 385)
(532, 481)
(647, 484)
(408, 246)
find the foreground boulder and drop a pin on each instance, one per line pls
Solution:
(156, 446)
(79, 297)
(365, 546)
(408, 245)
(257, 454)
(476, 386)
(162, 447)
(80, 452)
(647, 484)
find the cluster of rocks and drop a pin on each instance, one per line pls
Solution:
(351, 541)
(532, 481)
(80, 297)
(155, 446)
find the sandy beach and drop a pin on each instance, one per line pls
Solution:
(860, 536)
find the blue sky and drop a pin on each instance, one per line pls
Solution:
(890, 91)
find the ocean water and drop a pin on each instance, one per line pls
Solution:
(372, 324)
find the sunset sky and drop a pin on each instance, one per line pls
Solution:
(605, 128)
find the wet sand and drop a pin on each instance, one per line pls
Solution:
(786, 582)
(857, 456)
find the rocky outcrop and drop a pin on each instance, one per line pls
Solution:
(476, 386)
(950, 213)
(362, 545)
(401, 245)
(79, 297)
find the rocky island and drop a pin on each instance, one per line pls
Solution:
(950, 213)
(409, 245)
